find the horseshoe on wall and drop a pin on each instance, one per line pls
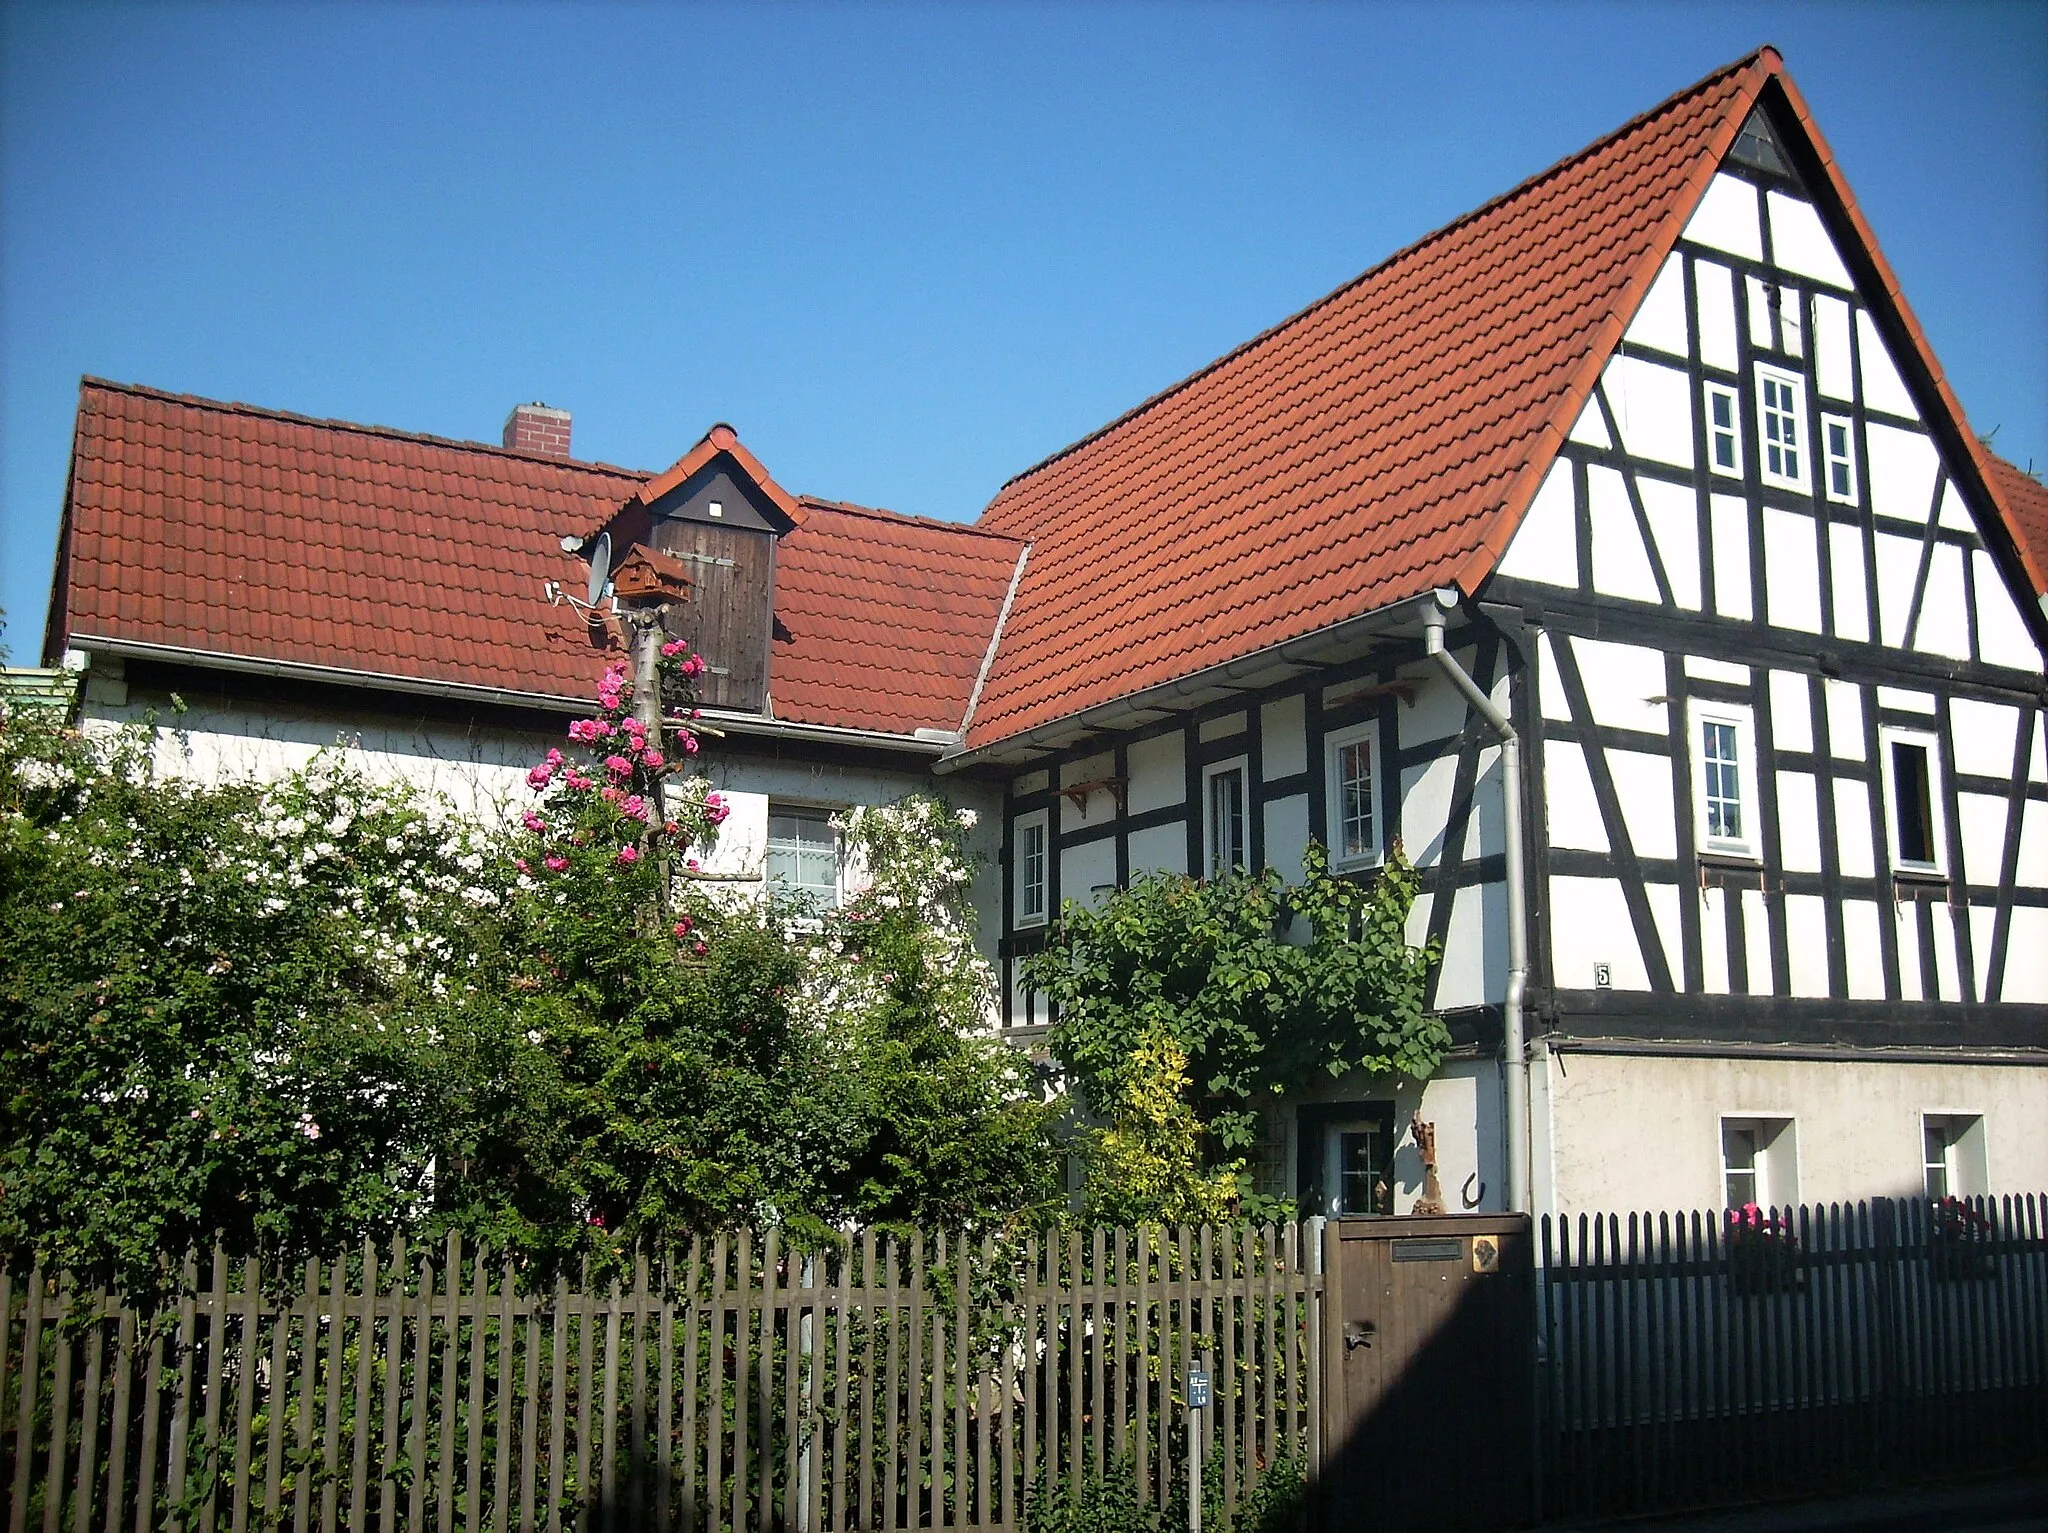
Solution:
(1470, 1198)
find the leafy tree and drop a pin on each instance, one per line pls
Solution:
(1213, 968)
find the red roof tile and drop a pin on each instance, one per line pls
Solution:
(1382, 442)
(2026, 505)
(231, 530)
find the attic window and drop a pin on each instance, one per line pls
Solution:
(1756, 146)
(715, 508)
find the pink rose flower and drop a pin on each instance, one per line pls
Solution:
(555, 864)
(610, 795)
(689, 745)
(554, 757)
(628, 855)
(700, 947)
(539, 778)
(683, 926)
(633, 806)
(651, 759)
(618, 766)
(533, 822)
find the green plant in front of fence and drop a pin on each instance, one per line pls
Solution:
(1213, 969)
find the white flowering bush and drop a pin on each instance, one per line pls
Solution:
(219, 1003)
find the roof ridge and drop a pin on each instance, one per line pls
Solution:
(266, 412)
(883, 513)
(1428, 239)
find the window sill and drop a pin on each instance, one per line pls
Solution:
(1730, 861)
(1920, 878)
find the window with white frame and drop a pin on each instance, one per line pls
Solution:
(803, 854)
(1838, 458)
(1358, 1166)
(1353, 776)
(1952, 1155)
(1780, 406)
(1759, 1162)
(1029, 853)
(1912, 784)
(1724, 437)
(1724, 779)
(1223, 799)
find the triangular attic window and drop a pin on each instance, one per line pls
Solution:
(1756, 145)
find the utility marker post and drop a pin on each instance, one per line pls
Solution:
(1198, 1406)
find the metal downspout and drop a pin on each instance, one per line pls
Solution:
(1514, 1044)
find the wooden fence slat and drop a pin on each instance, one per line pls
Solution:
(117, 1443)
(661, 1464)
(366, 1355)
(83, 1497)
(251, 1334)
(792, 1284)
(394, 1378)
(764, 1388)
(422, 1366)
(691, 1310)
(529, 1418)
(962, 1372)
(503, 1398)
(608, 1409)
(715, 1365)
(558, 1405)
(867, 1515)
(60, 1418)
(841, 1325)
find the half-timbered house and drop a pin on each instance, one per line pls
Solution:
(1621, 553)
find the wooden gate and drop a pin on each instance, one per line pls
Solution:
(1429, 1350)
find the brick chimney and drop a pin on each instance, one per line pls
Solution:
(536, 428)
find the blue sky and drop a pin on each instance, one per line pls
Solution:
(906, 250)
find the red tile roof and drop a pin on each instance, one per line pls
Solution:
(231, 530)
(1382, 442)
(888, 617)
(2026, 505)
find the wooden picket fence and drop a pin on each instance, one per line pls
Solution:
(743, 1384)
(1691, 1361)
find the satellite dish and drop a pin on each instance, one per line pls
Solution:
(600, 567)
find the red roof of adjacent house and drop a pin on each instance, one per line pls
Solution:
(231, 530)
(1383, 442)
(2026, 505)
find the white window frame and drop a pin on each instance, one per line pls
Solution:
(1333, 1161)
(1800, 481)
(1242, 767)
(1829, 461)
(1776, 1167)
(813, 813)
(1937, 819)
(1743, 720)
(1039, 820)
(1334, 745)
(1963, 1169)
(1731, 433)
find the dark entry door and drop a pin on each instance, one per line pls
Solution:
(1428, 1373)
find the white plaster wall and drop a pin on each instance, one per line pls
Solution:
(481, 773)
(1641, 1132)
(1800, 243)
(1087, 868)
(1546, 546)
(1158, 773)
(1286, 832)
(1660, 322)
(1161, 849)
(1728, 218)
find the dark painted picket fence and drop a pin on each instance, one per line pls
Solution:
(877, 1383)
(1696, 1359)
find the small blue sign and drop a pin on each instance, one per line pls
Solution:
(1198, 1389)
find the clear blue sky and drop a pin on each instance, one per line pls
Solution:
(906, 250)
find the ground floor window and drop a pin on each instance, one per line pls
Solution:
(1952, 1155)
(1346, 1159)
(1759, 1162)
(803, 854)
